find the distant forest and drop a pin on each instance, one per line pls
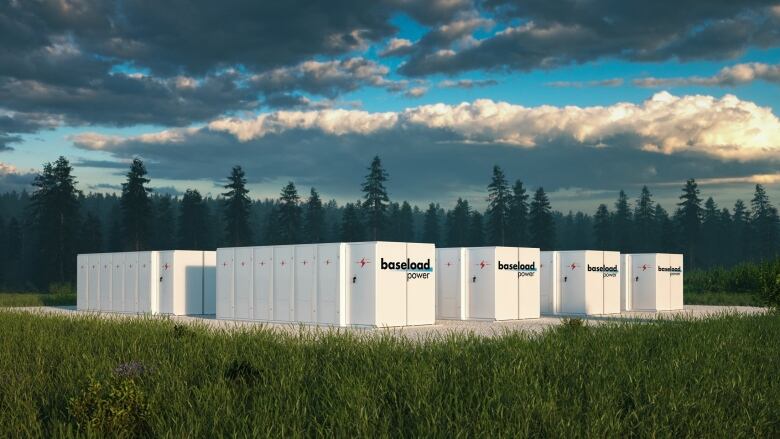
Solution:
(42, 230)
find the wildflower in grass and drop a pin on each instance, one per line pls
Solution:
(132, 369)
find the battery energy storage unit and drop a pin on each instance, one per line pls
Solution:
(580, 282)
(488, 283)
(651, 282)
(179, 282)
(374, 284)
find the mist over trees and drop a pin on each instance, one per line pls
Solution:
(42, 231)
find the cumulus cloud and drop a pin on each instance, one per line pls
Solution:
(416, 92)
(396, 47)
(614, 82)
(544, 34)
(726, 128)
(450, 148)
(731, 76)
(13, 179)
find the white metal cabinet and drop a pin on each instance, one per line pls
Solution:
(117, 282)
(82, 279)
(451, 283)
(420, 284)
(263, 283)
(305, 259)
(676, 282)
(529, 283)
(284, 283)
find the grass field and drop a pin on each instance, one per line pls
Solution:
(75, 376)
(36, 299)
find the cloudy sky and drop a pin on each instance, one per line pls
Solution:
(582, 97)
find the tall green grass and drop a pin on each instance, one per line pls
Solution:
(759, 282)
(36, 299)
(64, 376)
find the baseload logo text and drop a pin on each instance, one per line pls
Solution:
(609, 271)
(673, 271)
(521, 269)
(414, 270)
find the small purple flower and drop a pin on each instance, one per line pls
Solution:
(132, 369)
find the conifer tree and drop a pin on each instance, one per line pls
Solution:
(314, 220)
(644, 221)
(193, 221)
(458, 223)
(476, 230)
(518, 216)
(431, 225)
(55, 217)
(541, 225)
(765, 223)
(711, 233)
(91, 235)
(405, 223)
(688, 218)
(351, 224)
(288, 216)
(742, 233)
(136, 207)
(236, 209)
(621, 223)
(375, 198)
(664, 231)
(164, 230)
(499, 200)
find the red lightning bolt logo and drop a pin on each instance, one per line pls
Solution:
(362, 262)
(573, 265)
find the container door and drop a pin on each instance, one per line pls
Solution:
(263, 283)
(361, 283)
(284, 282)
(225, 277)
(643, 282)
(507, 292)
(305, 282)
(329, 284)
(572, 274)
(146, 282)
(421, 284)
(105, 281)
(117, 282)
(662, 284)
(547, 278)
(448, 283)
(93, 282)
(676, 282)
(166, 282)
(131, 283)
(242, 287)
(390, 286)
(626, 281)
(82, 277)
(481, 283)
(611, 276)
(529, 306)
(209, 282)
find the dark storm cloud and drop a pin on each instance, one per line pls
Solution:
(554, 33)
(15, 181)
(12, 125)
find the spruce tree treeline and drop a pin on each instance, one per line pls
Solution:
(49, 226)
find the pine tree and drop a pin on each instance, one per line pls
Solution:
(458, 223)
(164, 229)
(431, 225)
(236, 209)
(392, 229)
(499, 200)
(644, 221)
(91, 235)
(405, 223)
(518, 216)
(621, 223)
(602, 228)
(14, 234)
(664, 231)
(115, 243)
(136, 207)
(742, 233)
(55, 216)
(288, 216)
(711, 233)
(476, 230)
(764, 224)
(688, 217)
(351, 224)
(541, 225)
(376, 198)
(582, 231)
(193, 221)
(314, 220)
